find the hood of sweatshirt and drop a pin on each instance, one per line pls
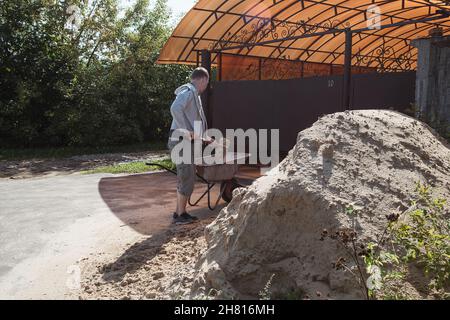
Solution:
(184, 87)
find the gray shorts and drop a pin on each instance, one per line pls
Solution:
(185, 174)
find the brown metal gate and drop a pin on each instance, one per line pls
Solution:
(294, 105)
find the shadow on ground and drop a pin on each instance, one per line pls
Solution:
(145, 203)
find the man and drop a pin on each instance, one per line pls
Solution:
(186, 109)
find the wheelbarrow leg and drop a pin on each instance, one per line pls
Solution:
(208, 192)
(210, 186)
(217, 201)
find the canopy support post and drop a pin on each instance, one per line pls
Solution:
(347, 69)
(206, 63)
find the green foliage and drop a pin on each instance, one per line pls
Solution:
(92, 86)
(352, 210)
(132, 167)
(419, 237)
(423, 235)
(384, 273)
(65, 152)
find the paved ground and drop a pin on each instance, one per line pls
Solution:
(49, 225)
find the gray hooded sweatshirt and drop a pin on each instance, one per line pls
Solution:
(188, 108)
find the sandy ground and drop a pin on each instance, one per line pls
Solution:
(54, 230)
(161, 266)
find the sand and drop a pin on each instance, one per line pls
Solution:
(160, 267)
(370, 160)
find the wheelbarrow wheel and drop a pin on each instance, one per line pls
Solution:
(227, 188)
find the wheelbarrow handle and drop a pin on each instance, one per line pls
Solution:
(161, 166)
(172, 171)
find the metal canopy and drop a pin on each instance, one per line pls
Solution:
(307, 30)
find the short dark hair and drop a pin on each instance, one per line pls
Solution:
(199, 73)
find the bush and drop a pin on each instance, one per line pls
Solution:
(94, 86)
(418, 238)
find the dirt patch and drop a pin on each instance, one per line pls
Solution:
(24, 169)
(161, 266)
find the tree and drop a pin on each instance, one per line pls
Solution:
(92, 84)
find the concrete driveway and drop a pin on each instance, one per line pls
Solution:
(49, 225)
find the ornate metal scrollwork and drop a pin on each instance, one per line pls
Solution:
(250, 72)
(386, 59)
(268, 68)
(264, 29)
(281, 68)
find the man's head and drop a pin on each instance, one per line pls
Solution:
(200, 79)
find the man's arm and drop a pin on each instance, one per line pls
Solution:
(178, 107)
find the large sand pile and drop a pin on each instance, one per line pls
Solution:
(370, 158)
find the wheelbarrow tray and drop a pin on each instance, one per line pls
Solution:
(221, 172)
(218, 172)
(211, 174)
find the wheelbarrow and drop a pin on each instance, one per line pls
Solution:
(213, 174)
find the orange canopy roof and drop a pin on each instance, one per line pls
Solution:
(218, 25)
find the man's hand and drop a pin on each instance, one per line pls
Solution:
(208, 140)
(194, 136)
(221, 143)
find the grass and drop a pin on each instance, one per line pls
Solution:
(65, 152)
(132, 167)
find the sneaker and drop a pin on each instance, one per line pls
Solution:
(184, 218)
(175, 218)
(188, 216)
